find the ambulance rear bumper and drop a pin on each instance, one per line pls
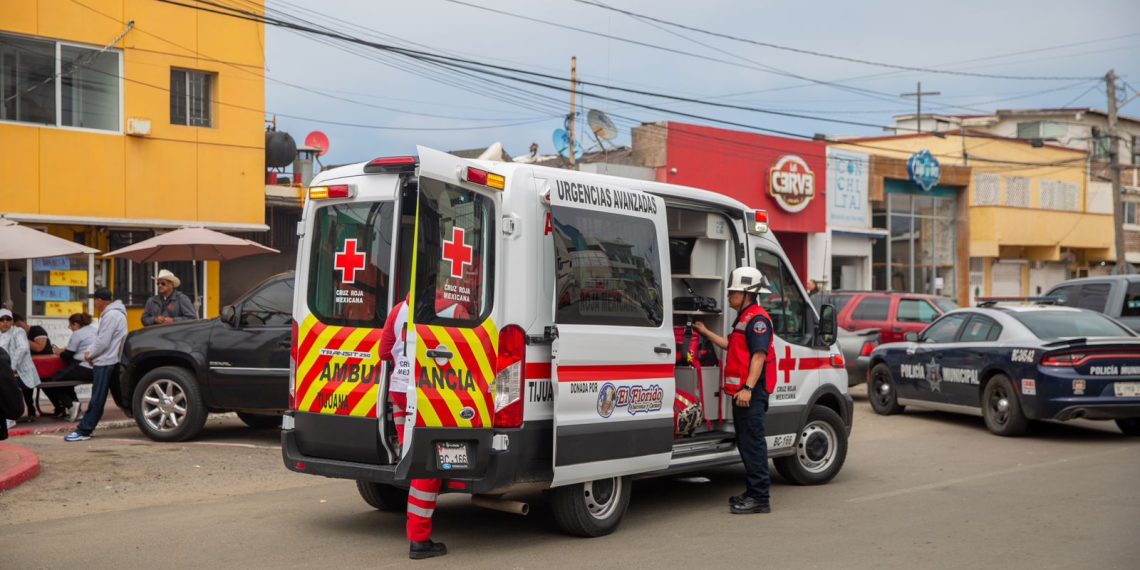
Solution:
(335, 468)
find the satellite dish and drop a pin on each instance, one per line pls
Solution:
(317, 139)
(601, 124)
(562, 143)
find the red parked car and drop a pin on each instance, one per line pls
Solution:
(894, 314)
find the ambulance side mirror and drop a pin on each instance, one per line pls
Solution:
(827, 324)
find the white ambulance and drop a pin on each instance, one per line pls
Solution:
(547, 310)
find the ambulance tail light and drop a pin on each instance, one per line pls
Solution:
(391, 164)
(510, 378)
(489, 179)
(337, 191)
(293, 368)
(759, 222)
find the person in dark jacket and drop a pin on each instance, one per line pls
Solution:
(169, 305)
(11, 402)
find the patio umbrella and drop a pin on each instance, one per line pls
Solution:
(21, 242)
(191, 244)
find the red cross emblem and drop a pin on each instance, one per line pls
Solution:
(786, 365)
(457, 252)
(348, 261)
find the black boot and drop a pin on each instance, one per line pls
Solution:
(736, 499)
(426, 549)
(749, 506)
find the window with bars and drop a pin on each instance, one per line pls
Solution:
(987, 189)
(132, 281)
(191, 97)
(1058, 195)
(1017, 191)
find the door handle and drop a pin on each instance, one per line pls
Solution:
(662, 349)
(438, 353)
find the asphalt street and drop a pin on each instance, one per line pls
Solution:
(920, 490)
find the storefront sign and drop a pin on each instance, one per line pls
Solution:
(46, 293)
(847, 187)
(924, 170)
(51, 263)
(68, 278)
(792, 183)
(58, 309)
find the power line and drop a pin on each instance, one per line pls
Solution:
(822, 54)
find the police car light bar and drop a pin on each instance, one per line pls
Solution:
(760, 223)
(1043, 300)
(326, 192)
(391, 164)
(489, 179)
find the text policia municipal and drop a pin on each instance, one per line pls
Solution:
(591, 195)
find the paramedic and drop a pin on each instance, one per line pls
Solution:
(749, 377)
(423, 492)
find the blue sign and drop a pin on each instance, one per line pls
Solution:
(51, 264)
(924, 170)
(48, 293)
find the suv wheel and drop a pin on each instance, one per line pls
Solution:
(168, 405)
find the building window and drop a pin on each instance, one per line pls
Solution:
(1017, 191)
(1057, 195)
(61, 85)
(987, 189)
(1130, 212)
(191, 98)
(1136, 150)
(1099, 145)
(1040, 130)
(133, 282)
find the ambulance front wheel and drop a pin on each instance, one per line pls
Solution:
(821, 449)
(593, 508)
(383, 497)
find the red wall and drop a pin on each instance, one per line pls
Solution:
(737, 164)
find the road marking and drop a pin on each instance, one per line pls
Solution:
(216, 443)
(971, 478)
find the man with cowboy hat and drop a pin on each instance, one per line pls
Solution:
(749, 377)
(169, 305)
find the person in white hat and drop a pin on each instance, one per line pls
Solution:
(169, 305)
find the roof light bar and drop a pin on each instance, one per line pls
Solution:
(328, 192)
(391, 164)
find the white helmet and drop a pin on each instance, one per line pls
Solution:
(748, 280)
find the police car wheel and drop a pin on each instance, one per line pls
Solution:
(260, 421)
(593, 508)
(821, 450)
(381, 497)
(1129, 426)
(882, 392)
(1001, 409)
(168, 405)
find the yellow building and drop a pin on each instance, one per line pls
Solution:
(119, 119)
(1020, 216)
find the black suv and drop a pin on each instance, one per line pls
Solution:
(175, 375)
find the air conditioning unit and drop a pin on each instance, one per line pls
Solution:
(138, 127)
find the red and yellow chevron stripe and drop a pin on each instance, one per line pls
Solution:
(458, 392)
(338, 369)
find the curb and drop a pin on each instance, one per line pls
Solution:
(27, 467)
(68, 427)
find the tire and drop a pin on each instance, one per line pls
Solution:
(260, 421)
(821, 450)
(1001, 409)
(590, 509)
(1129, 426)
(383, 497)
(882, 392)
(168, 405)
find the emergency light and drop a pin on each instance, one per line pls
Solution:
(482, 177)
(760, 222)
(391, 164)
(326, 192)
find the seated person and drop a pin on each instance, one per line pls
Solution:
(78, 370)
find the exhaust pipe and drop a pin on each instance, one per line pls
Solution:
(500, 504)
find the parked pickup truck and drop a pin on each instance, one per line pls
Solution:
(1117, 296)
(175, 375)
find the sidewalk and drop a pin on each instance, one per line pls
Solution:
(17, 465)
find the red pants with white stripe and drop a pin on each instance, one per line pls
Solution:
(423, 493)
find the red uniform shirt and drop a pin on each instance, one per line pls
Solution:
(752, 332)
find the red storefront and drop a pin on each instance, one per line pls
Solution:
(784, 176)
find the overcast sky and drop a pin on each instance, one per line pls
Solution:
(1051, 38)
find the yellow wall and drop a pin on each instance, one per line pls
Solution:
(1026, 233)
(176, 173)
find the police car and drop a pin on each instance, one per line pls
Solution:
(1012, 364)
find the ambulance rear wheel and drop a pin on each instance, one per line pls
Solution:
(383, 497)
(821, 449)
(593, 508)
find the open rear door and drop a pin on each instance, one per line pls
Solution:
(613, 355)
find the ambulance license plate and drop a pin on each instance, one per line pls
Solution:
(1127, 389)
(452, 455)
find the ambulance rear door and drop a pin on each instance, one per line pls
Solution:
(452, 336)
(613, 355)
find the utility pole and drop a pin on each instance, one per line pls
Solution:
(1122, 266)
(570, 127)
(918, 94)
